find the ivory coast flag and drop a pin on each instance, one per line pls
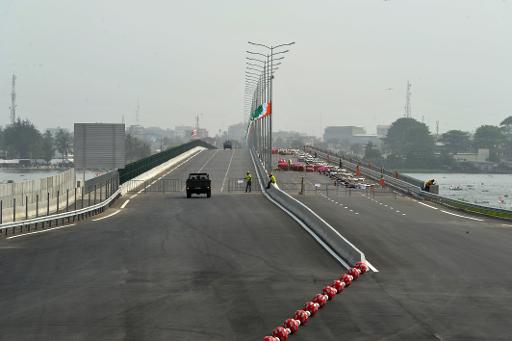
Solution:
(257, 113)
(261, 111)
(267, 109)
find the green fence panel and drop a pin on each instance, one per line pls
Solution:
(136, 168)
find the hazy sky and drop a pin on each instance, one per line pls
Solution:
(89, 61)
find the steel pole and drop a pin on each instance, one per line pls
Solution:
(271, 107)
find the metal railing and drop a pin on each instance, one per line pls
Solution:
(93, 191)
(155, 185)
(34, 224)
(417, 192)
(337, 245)
(239, 184)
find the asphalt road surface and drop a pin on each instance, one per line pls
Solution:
(164, 267)
(233, 267)
(444, 275)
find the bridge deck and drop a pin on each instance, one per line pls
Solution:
(169, 268)
(442, 276)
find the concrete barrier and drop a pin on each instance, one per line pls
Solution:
(158, 170)
(334, 243)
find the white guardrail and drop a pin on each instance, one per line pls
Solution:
(329, 238)
(418, 193)
(25, 225)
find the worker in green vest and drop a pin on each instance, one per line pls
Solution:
(271, 180)
(248, 182)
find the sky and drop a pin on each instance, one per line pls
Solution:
(92, 61)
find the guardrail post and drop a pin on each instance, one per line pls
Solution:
(37, 205)
(67, 203)
(13, 209)
(26, 207)
(94, 194)
(58, 201)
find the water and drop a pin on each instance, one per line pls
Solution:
(22, 174)
(493, 190)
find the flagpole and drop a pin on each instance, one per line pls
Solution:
(266, 97)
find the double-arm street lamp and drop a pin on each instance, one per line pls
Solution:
(262, 95)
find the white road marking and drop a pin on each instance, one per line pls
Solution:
(107, 216)
(227, 170)
(202, 167)
(432, 207)
(397, 211)
(356, 213)
(374, 269)
(133, 196)
(462, 216)
(125, 203)
(346, 207)
(35, 232)
(403, 214)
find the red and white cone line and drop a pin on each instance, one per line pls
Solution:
(301, 317)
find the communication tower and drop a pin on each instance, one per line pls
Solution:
(137, 118)
(408, 94)
(13, 100)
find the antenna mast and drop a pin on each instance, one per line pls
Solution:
(137, 121)
(13, 100)
(408, 94)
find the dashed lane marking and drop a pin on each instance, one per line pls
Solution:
(213, 155)
(227, 170)
(462, 216)
(107, 216)
(125, 203)
(426, 205)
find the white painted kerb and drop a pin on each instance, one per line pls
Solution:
(163, 167)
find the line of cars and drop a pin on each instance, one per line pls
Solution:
(306, 162)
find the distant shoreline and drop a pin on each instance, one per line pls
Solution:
(440, 171)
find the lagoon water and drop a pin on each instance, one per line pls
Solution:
(23, 174)
(484, 189)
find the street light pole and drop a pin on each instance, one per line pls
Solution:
(267, 122)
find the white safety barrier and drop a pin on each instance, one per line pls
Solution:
(152, 173)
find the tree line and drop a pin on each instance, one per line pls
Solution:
(22, 140)
(409, 143)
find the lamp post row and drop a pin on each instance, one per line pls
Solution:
(259, 92)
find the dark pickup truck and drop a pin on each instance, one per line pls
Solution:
(199, 183)
(228, 145)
